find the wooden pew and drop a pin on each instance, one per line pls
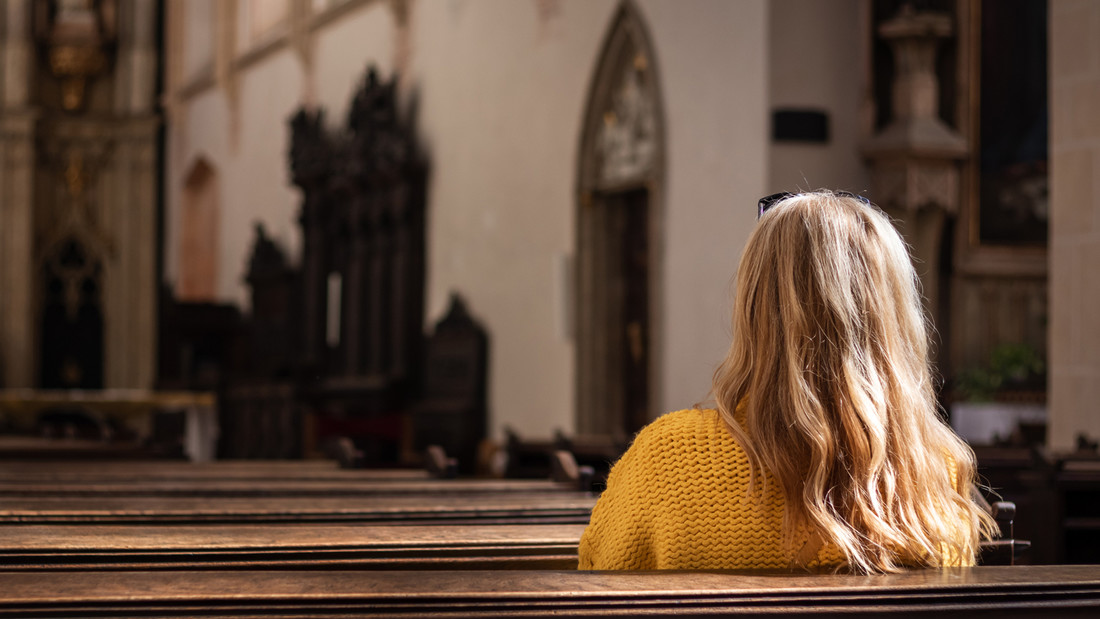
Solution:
(409, 508)
(1002, 592)
(245, 479)
(250, 515)
(225, 507)
(137, 470)
(484, 545)
(275, 488)
(254, 501)
(91, 547)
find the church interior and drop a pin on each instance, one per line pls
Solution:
(362, 289)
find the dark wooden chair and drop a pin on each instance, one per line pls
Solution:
(1005, 549)
(452, 413)
(439, 464)
(564, 468)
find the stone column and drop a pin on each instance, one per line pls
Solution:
(130, 302)
(130, 305)
(16, 54)
(17, 157)
(1074, 378)
(136, 67)
(914, 160)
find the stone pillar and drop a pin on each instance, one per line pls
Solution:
(1074, 377)
(130, 305)
(130, 302)
(136, 67)
(16, 54)
(914, 160)
(17, 164)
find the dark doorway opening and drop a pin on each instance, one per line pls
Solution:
(71, 339)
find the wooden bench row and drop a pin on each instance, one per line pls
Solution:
(174, 470)
(275, 487)
(289, 546)
(470, 548)
(1002, 592)
(494, 508)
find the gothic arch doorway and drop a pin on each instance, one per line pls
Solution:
(619, 224)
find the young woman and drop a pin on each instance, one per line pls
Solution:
(824, 449)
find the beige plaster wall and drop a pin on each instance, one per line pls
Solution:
(341, 55)
(712, 60)
(502, 93)
(245, 141)
(242, 131)
(502, 87)
(816, 62)
(1074, 388)
(198, 35)
(502, 209)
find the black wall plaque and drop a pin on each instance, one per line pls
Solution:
(800, 126)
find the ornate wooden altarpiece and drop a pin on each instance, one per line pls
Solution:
(78, 208)
(336, 345)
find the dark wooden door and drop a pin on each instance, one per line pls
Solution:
(613, 336)
(634, 280)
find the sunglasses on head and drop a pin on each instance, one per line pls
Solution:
(767, 202)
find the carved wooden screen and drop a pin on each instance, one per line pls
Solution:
(340, 337)
(363, 241)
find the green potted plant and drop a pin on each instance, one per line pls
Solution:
(1013, 369)
(1003, 400)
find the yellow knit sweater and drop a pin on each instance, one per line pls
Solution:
(678, 499)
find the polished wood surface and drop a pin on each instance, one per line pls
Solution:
(282, 546)
(213, 487)
(20, 448)
(457, 508)
(46, 471)
(984, 591)
(111, 401)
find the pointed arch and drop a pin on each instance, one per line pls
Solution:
(620, 223)
(199, 234)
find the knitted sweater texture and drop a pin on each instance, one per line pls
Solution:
(678, 499)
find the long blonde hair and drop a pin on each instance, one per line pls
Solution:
(830, 362)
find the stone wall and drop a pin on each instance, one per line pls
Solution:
(500, 91)
(1075, 235)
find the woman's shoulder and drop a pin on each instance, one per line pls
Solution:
(688, 416)
(678, 447)
(687, 426)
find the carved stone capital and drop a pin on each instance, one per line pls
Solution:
(908, 184)
(916, 128)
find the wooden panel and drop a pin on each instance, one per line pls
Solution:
(459, 508)
(988, 311)
(148, 470)
(984, 591)
(30, 447)
(276, 488)
(283, 546)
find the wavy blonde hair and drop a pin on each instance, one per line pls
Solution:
(830, 362)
